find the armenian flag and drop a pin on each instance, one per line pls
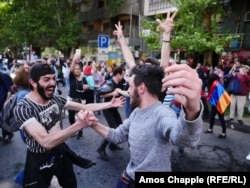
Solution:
(218, 97)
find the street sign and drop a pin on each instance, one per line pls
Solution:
(102, 57)
(103, 41)
(103, 50)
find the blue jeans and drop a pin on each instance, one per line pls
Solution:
(122, 184)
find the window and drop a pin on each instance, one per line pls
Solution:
(247, 16)
(106, 26)
(101, 3)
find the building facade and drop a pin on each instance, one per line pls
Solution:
(97, 20)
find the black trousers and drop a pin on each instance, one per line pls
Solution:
(113, 119)
(62, 168)
(73, 112)
(214, 111)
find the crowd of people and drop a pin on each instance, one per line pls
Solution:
(168, 99)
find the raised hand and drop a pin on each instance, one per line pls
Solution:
(118, 32)
(117, 101)
(168, 24)
(187, 84)
(76, 57)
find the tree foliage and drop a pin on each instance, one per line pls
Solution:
(114, 6)
(39, 22)
(195, 27)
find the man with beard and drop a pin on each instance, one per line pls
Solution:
(152, 128)
(39, 115)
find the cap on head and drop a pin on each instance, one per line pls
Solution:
(40, 69)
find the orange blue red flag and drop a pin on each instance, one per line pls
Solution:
(218, 97)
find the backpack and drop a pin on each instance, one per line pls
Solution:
(7, 119)
(5, 84)
(106, 87)
(234, 86)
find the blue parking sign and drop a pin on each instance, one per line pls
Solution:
(103, 41)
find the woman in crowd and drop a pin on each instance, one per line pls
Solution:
(78, 85)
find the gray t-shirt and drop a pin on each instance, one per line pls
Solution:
(151, 133)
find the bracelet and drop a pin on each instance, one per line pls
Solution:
(165, 40)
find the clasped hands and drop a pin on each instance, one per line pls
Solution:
(87, 118)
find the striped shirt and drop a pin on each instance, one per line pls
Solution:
(169, 102)
(48, 115)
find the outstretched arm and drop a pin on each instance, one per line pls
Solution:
(57, 136)
(115, 102)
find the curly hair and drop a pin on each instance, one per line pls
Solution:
(22, 78)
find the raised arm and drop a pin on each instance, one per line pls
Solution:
(187, 84)
(127, 54)
(166, 28)
(75, 59)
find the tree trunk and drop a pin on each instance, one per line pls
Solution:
(208, 57)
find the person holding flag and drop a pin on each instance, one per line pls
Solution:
(219, 100)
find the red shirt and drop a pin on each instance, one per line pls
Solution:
(87, 70)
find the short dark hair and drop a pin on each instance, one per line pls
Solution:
(149, 74)
(118, 70)
(152, 61)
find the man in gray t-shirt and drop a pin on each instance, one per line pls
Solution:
(152, 128)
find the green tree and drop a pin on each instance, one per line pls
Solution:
(114, 6)
(195, 28)
(40, 23)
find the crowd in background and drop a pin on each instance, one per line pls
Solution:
(83, 77)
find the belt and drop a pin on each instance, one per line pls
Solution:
(127, 180)
(124, 178)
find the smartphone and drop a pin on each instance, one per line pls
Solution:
(78, 51)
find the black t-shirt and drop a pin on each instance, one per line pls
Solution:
(119, 85)
(76, 87)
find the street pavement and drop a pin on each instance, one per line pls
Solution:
(211, 155)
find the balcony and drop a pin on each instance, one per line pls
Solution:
(153, 7)
(158, 5)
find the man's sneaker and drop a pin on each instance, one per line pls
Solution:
(7, 138)
(79, 135)
(103, 154)
(229, 120)
(240, 122)
(248, 156)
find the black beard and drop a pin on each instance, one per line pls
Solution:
(41, 91)
(135, 98)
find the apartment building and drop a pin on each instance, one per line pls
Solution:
(97, 19)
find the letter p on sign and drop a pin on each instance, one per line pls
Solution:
(103, 41)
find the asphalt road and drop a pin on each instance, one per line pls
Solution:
(211, 155)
